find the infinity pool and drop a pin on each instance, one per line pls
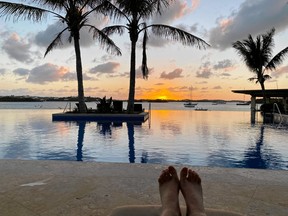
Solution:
(197, 138)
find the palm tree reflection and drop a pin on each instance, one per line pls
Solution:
(81, 132)
(131, 143)
(130, 127)
(258, 156)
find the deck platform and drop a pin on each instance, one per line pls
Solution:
(111, 117)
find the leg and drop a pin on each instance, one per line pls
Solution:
(169, 191)
(190, 184)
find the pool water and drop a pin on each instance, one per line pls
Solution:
(176, 136)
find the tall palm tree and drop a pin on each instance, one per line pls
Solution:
(75, 14)
(257, 55)
(136, 13)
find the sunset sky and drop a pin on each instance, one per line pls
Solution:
(174, 68)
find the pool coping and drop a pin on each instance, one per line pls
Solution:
(114, 117)
(42, 188)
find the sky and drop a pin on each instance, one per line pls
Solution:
(176, 71)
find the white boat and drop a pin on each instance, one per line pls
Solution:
(218, 102)
(189, 103)
(244, 103)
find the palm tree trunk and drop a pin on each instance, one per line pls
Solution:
(81, 99)
(263, 92)
(130, 106)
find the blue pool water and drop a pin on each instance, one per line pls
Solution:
(221, 137)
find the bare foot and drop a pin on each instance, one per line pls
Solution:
(169, 192)
(190, 184)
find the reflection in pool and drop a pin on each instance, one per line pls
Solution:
(213, 138)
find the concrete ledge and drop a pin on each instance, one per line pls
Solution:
(44, 188)
(113, 117)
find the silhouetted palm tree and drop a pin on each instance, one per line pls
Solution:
(136, 13)
(257, 54)
(73, 13)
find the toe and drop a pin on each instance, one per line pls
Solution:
(183, 173)
(172, 171)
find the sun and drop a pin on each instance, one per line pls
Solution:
(162, 97)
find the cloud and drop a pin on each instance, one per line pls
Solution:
(19, 91)
(217, 87)
(195, 4)
(106, 68)
(21, 72)
(44, 38)
(18, 49)
(175, 11)
(280, 72)
(253, 17)
(204, 73)
(47, 73)
(2, 71)
(224, 64)
(225, 74)
(172, 75)
(179, 89)
(204, 70)
(202, 82)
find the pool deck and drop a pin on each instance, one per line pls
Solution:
(44, 188)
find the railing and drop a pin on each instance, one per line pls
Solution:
(276, 107)
(69, 107)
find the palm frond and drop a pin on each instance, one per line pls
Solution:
(277, 59)
(109, 9)
(158, 5)
(266, 77)
(252, 79)
(144, 66)
(21, 11)
(104, 40)
(176, 34)
(248, 51)
(109, 30)
(268, 43)
(56, 42)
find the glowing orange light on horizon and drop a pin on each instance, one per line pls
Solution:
(162, 97)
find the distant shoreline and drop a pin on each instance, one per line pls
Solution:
(92, 99)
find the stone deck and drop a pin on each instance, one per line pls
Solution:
(44, 188)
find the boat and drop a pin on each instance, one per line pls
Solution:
(201, 109)
(244, 103)
(219, 102)
(189, 103)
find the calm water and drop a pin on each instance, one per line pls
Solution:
(221, 137)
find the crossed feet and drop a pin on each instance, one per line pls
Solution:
(190, 186)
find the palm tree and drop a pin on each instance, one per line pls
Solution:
(136, 13)
(257, 55)
(73, 13)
